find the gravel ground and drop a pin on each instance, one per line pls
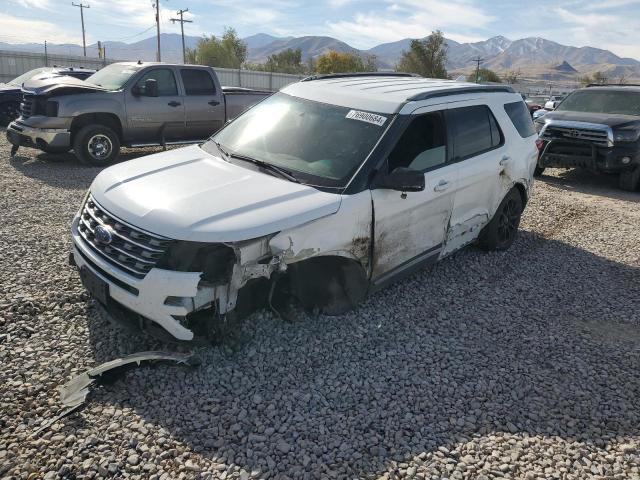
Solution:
(521, 364)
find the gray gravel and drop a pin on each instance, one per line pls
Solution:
(519, 364)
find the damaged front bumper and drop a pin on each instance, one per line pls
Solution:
(21, 134)
(167, 297)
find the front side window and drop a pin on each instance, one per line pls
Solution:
(166, 82)
(319, 143)
(475, 131)
(422, 146)
(520, 117)
(197, 82)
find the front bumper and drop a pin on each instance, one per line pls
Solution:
(147, 296)
(595, 158)
(20, 134)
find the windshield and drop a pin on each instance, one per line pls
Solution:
(113, 77)
(26, 76)
(318, 143)
(602, 101)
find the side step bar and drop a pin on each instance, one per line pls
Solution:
(158, 144)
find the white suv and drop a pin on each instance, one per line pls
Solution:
(323, 192)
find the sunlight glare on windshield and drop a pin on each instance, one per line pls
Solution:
(262, 122)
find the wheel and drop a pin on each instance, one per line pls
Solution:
(9, 111)
(96, 145)
(502, 230)
(630, 180)
(538, 171)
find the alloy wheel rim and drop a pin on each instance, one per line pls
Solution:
(99, 146)
(508, 222)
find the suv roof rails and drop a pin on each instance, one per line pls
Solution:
(461, 91)
(358, 74)
(613, 85)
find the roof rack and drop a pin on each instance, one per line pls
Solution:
(460, 91)
(613, 85)
(358, 74)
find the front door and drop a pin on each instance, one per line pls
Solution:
(204, 106)
(410, 227)
(152, 119)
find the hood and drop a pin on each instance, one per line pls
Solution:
(6, 88)
(189, 194)
(59, 85)
(611, 120)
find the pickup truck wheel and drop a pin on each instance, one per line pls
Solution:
(630, 180)
(9, 111)
(502, 230)
(538, 171)
(96, 145)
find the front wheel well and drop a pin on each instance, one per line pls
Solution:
(331, 285)
(107, 119)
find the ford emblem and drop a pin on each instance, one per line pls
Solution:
(103, 234)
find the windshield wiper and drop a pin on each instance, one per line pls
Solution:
(265, 165)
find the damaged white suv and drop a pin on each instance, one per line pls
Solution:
(323, 193)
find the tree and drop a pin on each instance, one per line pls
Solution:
(426, 57)
(484, 75)
(343, 62)
(513, 76)
(286, 61)
(229, 51)
(597, 77)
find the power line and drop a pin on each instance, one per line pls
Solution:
(477, 60)
(82, 7)
(182, 22)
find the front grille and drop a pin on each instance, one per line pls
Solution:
(131, 249)
(590, 135)
(32, 105)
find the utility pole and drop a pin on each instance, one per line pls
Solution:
(157, 6)
(46, 57)
(478, 60)
(182, 22)
(82, 7)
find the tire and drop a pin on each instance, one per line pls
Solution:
(96, 145)
(9, 111)
(502, 230)
(630, 180)
(538, 171)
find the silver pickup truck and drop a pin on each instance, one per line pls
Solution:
(131, 104)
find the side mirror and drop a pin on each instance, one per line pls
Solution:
(401, 179)
(151, 87)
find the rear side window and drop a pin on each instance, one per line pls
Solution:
(197, 82)
(475, 131)
(521, 118)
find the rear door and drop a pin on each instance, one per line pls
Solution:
(410, 227)
(151, 119)
(479, 150)
(204, 105)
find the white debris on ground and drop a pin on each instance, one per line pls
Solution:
(519, 364)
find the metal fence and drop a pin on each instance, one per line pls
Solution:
(13, 64)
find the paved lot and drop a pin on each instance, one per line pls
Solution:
(521, 364)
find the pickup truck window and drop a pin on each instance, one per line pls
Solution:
(475, 131)
(197, 82)
(422, 146)
(319, 143)
(113, 77)
(167, 86)
(602, 101)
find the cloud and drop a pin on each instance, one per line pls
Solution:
(20, 30)
(42, 4)
(413, 19)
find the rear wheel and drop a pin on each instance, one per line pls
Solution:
(630, 180)
(502, 230)
(9, 111)
(96, 145)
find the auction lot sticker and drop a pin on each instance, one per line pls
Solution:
(367, 117)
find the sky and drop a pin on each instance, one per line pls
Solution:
(611, 24)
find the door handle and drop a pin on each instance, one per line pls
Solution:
(173, 103)
(441, 186)
(505, 160)
(214, 103)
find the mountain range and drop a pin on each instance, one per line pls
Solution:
(534, 57)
